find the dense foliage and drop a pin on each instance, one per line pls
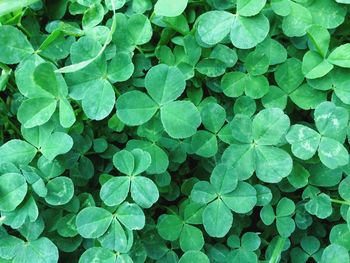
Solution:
(188, 131)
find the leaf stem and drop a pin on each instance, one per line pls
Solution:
(5, 67)
(276, 254)
(343, 202)
(25, 31)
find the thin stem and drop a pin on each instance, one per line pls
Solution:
(24, 30)
(5, 67)
(116, 91)
(340, 202)
(276, 254)
(139, 49)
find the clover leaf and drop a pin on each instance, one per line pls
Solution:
(143, 191)
(174, 131)
(255, 149)
(331, 122)
(172, 84)
(240, 198)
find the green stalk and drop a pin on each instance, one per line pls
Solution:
(276, 254)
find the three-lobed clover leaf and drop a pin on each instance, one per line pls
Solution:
(175, 227)
(244, 249)
(283, 216)
(256, 147)
(164, 84)
(220, 199)
(141, 131)
(331, 122)
(143, 190)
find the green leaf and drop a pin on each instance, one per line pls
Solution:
(45, 77)
(331, 121)
(340, 235)
(248, 32)
(249, 7)
(124, 161)
(55, 144)
(277, 126)
(120, 68)
(203, 192)
(329, 13)
(66, 114)
(115, 238)
(131, 216)
(297, 22)
(180, 126)
(285, 207)
(267, 215)
(257, 63)
(335, 254)
(93, 16)
(169, 227)
(204, 144)
(320, 38)
(273, 164)
(211, 67)
(242, 158)
(115, 190)
(7, 7)
(235, 83)
(242, 129)
(285, 226)
(307, 97)
(43, 250)
(17, 152)
(140, 29)
(224, 179)
(242, 199)
(232, 84)
(170, 8)
(343, 189)
(14, 45)
(13, 189)
(217, 219)
(214, 26)
(99, 100)
(98, 254)
(315, 66)
(251, 241)
(60, 191)
(281, 7)
(289, 75)
(304, 141)
(36, 111)
(319, 206)
(213, 116)
(191, 238)
(142, 160)
(159, 158)
(8, 246)
(143, 191)
(340, 56)
(196, 256)
(93, 222)
(332, 153)
(164, 84)
(135, 108)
